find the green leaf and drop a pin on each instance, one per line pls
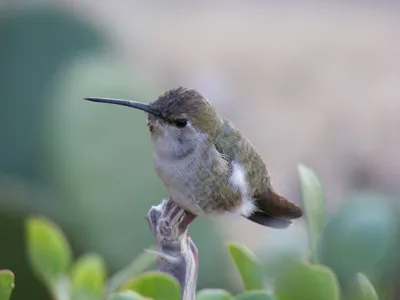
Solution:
(6, 284)
(300, 280)
(255, 295)
(88, 275)
(141, 263)
(127, 295)
(213, 294)
(155, 285)
(361, 289)
(362, 236)
(249, 267)
(48, 251)
(314, 205)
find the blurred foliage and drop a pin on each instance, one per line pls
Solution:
(300, 280)
(88, 276)
(363, 236)
(6, 284)
(48, 251)
(248, 266)
(35, 44)
(142, 262)
(155, 285)
(213, 294)
(255, 295)
(314, 204)
(303, 278)
(127, 295)
(360, 289)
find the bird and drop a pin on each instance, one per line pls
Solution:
(208, 167)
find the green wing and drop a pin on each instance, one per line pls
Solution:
(226, 142)
(274, 210)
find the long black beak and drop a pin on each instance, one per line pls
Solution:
(137, 105)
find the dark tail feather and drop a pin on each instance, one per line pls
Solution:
(274, 210)
(278, 206)
(269, 221)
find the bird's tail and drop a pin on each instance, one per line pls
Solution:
(275, 210)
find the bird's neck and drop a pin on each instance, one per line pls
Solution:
(174, 150)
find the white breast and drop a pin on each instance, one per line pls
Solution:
(179, 173)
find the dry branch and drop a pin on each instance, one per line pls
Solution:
(177, 254)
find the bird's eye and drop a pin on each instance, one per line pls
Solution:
(180, 123)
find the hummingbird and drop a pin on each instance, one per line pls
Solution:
(206, 165)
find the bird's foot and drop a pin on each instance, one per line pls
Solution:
(168, 220)
(173, 221)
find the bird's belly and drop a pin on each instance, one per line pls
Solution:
(195, 187)
(185, 199)
(181, 183)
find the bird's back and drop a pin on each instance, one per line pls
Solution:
(235, 148)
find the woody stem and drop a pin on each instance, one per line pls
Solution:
(177, 253)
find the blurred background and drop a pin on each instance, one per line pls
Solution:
(305, 81)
